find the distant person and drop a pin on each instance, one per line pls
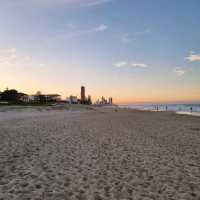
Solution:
(166, 108)
(191, 109)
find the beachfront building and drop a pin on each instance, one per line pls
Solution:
(33, 99)
(23, 98)
(72, 100)
(43, 98)
(53, 97)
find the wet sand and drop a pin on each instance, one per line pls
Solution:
(99, 154)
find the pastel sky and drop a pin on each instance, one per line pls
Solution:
(132, 50)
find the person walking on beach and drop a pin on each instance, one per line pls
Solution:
(166, 108)
(191, 109)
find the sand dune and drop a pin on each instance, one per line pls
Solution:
(102, 154)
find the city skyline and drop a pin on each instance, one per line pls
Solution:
(134, 51)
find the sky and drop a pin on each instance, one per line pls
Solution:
(132, 50)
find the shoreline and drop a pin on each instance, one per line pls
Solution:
(33, 110)
(40, 110)
(196, 114)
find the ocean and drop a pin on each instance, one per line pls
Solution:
(190, 109)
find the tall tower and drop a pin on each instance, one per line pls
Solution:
(110, 101)
(82, 94)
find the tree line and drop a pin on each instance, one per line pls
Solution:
(11, 96)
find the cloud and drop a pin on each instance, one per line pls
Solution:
(42, 65)
(11, 51)
(126, 38)
(11, 58)
(127, 64)
(193, 57)
(138, 65)
(179, 71)
(121, 64)
(96, 2)
(79, 3)
(146, 31)
(70, 25)
(83, 32)
(129, 37)
(101, 27)
(8, 57)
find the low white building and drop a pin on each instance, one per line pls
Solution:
(24, 98)
(40, 98)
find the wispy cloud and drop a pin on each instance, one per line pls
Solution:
(179, 71)
(138, 65)
(193, 57)
(8, 57)
(128, 64)
(100, 28)
(79, 3)
(139, 33)
(126, 38)
(97, 2)
(129, 37)
(121, 64)
(11, 58)
(81, 32)
(71, 25)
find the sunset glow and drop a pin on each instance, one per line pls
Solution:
(134, 51)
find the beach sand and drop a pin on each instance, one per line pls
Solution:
(99, 154)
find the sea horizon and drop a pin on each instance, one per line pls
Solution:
(179, 108)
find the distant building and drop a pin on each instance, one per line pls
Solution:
(83, 95)
(24, 98)
(89, 100)
(52, 97)
(110, 101)
(104, 101)
(72, 100)
(44, 98)
(33, 98)
(97, 102)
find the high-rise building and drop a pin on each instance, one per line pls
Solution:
(110, 101)
(72, 100)
(82, 94)
(89, 100)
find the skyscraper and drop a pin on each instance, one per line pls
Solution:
(110, 101)
(82, 94)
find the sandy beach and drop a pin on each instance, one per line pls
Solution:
(99, 154)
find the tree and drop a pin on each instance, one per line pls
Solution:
(10, 95)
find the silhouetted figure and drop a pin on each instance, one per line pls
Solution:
(191, 109)
(166, 108)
